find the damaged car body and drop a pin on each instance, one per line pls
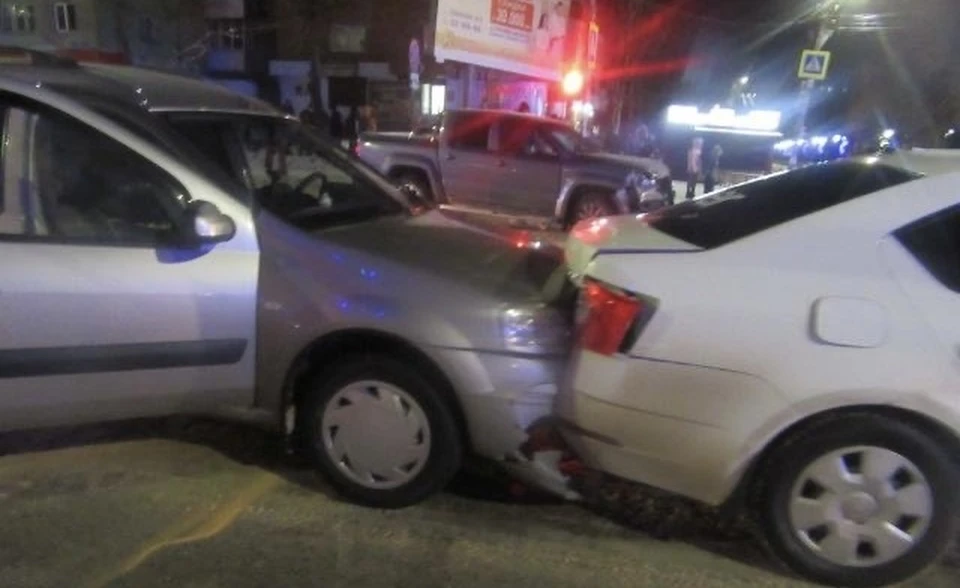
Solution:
(391, 344)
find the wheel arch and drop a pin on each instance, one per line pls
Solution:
(330, 347)
(750, 486)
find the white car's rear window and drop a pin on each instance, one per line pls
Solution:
(747, 209)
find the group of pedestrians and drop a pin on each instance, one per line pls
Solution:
(346, 130)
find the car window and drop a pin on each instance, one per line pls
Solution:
(209, 137)
(746, 209)
(470, 130)
(521, 136)
(306, 180)
(154, 129)
(72, 183)
(935, 242)
(568, 139)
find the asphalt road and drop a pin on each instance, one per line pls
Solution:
(193, 504)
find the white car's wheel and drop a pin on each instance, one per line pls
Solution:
(866, 501)
(380, 432)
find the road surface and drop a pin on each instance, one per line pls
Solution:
(193, 504)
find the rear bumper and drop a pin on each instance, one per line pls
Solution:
(685, 429)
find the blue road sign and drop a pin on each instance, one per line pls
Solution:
(814, 65)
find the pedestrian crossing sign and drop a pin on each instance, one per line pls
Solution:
(814, 65)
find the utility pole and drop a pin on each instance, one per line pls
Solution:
(590, 73)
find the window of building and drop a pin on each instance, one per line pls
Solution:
(65, 16)
(17, 17)
(228, 33)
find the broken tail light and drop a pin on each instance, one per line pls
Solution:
(608, 316)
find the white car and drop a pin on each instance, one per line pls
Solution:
(791, 345)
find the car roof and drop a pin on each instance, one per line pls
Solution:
(153, 90)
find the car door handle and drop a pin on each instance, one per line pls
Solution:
(451, 156)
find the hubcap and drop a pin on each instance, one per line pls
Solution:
(590, 209)
(376, 434)
(861, 506)
(414, 189)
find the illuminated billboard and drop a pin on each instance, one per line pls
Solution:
(520, 36)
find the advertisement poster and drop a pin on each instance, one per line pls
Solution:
(521, 36)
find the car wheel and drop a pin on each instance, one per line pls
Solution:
(417, 185)
(592, 205)
(863, 501)
(380, 432)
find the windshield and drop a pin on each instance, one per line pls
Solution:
(570, 140)
(291, 171)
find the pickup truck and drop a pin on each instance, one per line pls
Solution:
(501, 162)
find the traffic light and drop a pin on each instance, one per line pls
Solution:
(573, 82)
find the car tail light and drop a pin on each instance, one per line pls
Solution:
(609, 315)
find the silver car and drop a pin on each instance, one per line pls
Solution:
(289, 286)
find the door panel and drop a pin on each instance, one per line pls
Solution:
(467, 161)
(101, 315)
(528, 180)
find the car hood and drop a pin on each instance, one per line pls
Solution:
(432, 247)
(627, 163)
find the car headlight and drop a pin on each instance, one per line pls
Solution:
(534, 329)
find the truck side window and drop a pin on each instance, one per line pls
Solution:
(471, 131)
(520, 137)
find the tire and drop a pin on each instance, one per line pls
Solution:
(591, 205)
(915, 467)
(355, 416)
(417, 184)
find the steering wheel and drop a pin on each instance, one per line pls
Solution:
(315, 176)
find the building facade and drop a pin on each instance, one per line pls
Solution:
(150, 33)
(340, 54)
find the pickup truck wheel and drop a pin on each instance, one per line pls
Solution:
(416, 184)
(380, 432)
(591, 205)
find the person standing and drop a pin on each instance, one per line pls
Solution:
(694, 167)
(352, 127)
(336, 124)
(712, 169)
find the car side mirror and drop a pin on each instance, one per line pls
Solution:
(207, 224)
